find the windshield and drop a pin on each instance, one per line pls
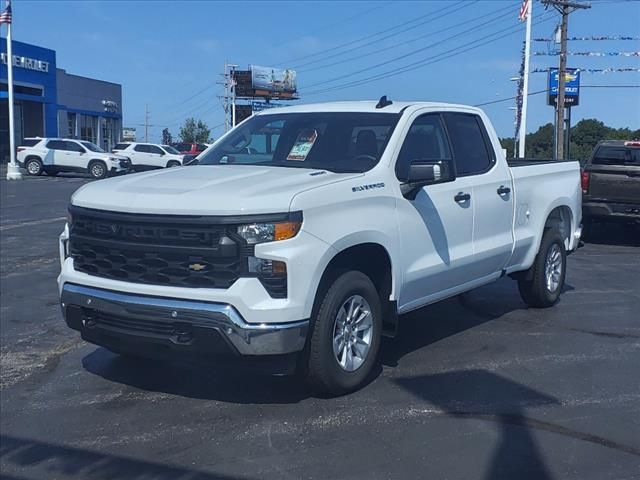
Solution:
(93, 147)
(338, 142)
(170, 149)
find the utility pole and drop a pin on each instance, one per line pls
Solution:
(229, 102)
(146, 123)
(565, 7)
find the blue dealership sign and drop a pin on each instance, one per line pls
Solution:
(571, 87)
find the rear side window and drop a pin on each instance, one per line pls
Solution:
(73, 147)
(121, 146)
(472, 151)
(57, 145)
(141, 148)
(426, 142)
(201, 146)
(154, 149)
(30, 142)
(613, 156)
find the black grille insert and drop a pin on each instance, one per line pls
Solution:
(161, 250)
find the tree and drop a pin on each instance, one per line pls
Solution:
(584, 136)
(194, 132)
(167, 138)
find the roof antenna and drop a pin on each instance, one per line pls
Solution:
(384, 102)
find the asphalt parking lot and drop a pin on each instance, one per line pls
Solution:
(476, 387)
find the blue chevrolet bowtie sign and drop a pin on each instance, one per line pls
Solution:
(571, 87)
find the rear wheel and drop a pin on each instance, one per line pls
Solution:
(33, 166)
(346, 335)
(546, 279)
(97, 169)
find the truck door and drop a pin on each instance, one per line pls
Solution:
(492, 192)
(436, 228)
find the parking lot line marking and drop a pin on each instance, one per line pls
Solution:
(32, 222)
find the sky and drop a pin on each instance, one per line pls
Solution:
(169, 55)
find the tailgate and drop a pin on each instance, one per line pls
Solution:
(614, 175)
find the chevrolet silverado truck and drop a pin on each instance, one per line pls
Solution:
(305, 232)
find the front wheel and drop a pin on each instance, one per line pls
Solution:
(173, 163)
(98, 169)
(346, 335)
(546, 280)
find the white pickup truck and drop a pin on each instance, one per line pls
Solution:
(305, 231)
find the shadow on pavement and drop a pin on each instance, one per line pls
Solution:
(444, 319)
(207, 382)
(623, 235)
(482, 395)
(46, 460)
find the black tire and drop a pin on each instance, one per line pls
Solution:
(536, 292)
(97, 169)
(33, 166)
(324, 372)
(173, 163)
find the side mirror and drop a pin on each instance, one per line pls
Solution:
(422, 173)
(162, 154)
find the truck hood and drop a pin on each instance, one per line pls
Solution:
(205, 190)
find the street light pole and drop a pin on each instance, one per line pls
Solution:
(13, 170)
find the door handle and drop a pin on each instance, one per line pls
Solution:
(462, 197)
(502, 191)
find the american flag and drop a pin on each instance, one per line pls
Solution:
(524, 10)
(5, 16)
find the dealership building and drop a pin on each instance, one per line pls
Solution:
(49, 102)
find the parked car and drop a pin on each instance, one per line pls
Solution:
(55, 155)
(190, 148)
(306, 231)
(149, 156)
(611, 183)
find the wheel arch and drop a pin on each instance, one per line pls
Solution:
(371, 258)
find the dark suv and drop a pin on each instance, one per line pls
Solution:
(611, 183)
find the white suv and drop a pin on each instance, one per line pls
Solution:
(148, 156)
(55, 155)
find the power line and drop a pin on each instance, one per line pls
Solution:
(427, 61)
(377, 40)
(414, 52)
(395, 45)
(502, 100)
(361, 39)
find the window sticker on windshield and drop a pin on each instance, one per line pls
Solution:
(302, 146)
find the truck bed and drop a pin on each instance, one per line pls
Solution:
(526, 162)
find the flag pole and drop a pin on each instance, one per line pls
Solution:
(525, 86)
(13, 171)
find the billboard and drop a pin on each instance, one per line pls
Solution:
(571, 87)
(273, 79)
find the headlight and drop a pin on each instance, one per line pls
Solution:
(255, 233)
(114, 159)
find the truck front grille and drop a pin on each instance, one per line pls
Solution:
(179, 251)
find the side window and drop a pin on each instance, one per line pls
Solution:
(56, 145)
(121, 146)
(73, 147)
(201, 146)
(472, 151)
(154, 149)
(425, 142)
(141, 148)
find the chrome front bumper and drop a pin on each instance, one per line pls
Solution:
(181, 323)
